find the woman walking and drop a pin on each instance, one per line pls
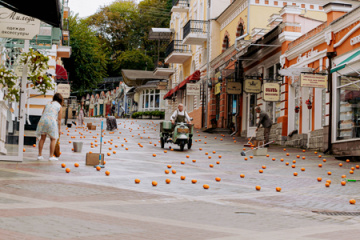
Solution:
(49, 125)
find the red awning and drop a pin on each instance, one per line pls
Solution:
(61, 72)
(171, 93)
(193, 77)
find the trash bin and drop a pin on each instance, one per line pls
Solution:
(77, 146)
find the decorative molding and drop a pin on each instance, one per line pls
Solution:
(345, 21)
(232, 15)
(289, 36)
(305, 46)
(347, 36)
(328, 37)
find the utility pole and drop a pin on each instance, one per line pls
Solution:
(208, 64)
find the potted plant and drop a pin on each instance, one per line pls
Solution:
(155, 114)
(297, 109)
(146, 115)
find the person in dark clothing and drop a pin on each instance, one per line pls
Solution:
(113, 110)
(266, 122)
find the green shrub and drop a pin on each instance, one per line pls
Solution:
(147, 113)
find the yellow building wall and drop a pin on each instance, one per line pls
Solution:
(259, 16)
(231, 28)
(321, 16)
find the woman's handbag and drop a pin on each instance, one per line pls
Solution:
(57, 148)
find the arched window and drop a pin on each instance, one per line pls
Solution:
(240, 30)
(225, 43)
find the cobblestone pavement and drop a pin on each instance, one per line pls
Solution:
(38, 200)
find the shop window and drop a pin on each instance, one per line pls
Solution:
(252, 112)
(348, 108)
(151, 99)
(269, 108)
(323, 107)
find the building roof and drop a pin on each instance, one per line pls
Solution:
(134, 78)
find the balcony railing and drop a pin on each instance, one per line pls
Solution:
(181, 3)
(161, 63)
(176, 46)
(195, 26)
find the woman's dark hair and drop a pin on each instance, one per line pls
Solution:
(58, 98)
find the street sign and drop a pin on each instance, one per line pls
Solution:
(271, 92)
(233, 88)
(16, 25)
(217, 89)
(64, 90)
(313, 80)
(192, 89)
(252, 86)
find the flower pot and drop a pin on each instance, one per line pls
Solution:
(155, 117)
(146, 116)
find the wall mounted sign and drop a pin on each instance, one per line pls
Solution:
(233, 88)
(64, 90)
(217, 75)
(192, 89)
(16, 25)
(313, 80)
(252, 86)
(271, 92)
(217, 89)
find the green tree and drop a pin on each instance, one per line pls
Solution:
(124, 26)
(88, 62)
(133, 59)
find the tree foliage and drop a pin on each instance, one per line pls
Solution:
(87, 65)
(123, 26)
(133, 59)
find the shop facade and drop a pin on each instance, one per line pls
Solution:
(322, 71)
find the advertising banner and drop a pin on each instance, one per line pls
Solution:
(192, 89)
(233, 88)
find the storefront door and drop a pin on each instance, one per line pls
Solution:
(252, 115)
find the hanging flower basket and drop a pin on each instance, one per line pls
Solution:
(10, 82)
(37, 64)
(297, 109)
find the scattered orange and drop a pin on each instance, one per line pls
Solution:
(343, 176)
(67, 170)
(282, 160)
(173, 171)
(298, 156)
(242, 175)
(107, 173)
(154, 183)
(194, 181)
(303, 169)
(329, 173)
(287, 154)
(343, 183)
(194, 161)
(261, 171)
(217, 162)
(293, 166)
(137, 181)
(98, 168)
(320, 165)
(182, 177)
(76, 164)
(273, 159)
(295, 174)
(167, 171)
(63, 165)
(258, 188)
(278, 189)
(324, 160)
(340, 164)
(287, 164)
(182, 162)
(205, 186)
(211, 165)
(154, 155)
(246, 159)
(352, 201)
(319, 179)
(327, 184)
(167, 181)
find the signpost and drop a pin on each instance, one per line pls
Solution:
(252, 86)
(313, 80)
(271, 92)
(217, 89)
(192, 89)
(233, 88)
(64, 90)
(16, 25)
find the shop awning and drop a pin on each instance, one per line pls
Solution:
(133, 78)
(171, 93)
(47, 11)
(193, 77)
(347, 61)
